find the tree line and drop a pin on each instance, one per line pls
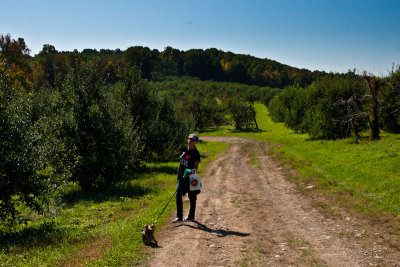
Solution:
(210, 64)
(340, 107)
(50, 65)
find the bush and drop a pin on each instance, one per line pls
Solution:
(166, 132)
(280, 105)
(158, 124)
(267, 94)
(99, 130)
(243, 115)
(31, 170)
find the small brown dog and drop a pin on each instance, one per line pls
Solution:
(148, 234)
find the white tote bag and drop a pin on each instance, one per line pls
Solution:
(195, 183)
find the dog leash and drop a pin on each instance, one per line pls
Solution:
(166, 206)
(186, 174)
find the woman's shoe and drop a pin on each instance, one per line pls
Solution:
(177, 220)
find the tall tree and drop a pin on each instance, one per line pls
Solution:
(14, 51)
(16, 54)
(141, 57)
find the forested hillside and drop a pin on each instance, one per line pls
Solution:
(209, 64)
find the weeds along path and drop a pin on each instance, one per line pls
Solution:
(249, 215)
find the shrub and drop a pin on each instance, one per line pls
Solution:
(158, 125)
(31, 170)
(242, 113)
(99, 129)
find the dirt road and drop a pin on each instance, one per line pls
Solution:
(249, 215)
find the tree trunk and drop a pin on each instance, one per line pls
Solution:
(373, 120)
(253, 112)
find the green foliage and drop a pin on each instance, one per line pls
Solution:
(242, 113)
(391, 103)
(88, 130)
(315, 109)
(187, 87)
(338, 107)
(203, 64)
(142, 57)
(171, 61)
(165, 131)
(31, 155)
(374, 89)
(15, 54)
(99, 129)
(14, 51)
(267, 94)
(201, 101)
(209, 64)
(201, 114)
(160, 128)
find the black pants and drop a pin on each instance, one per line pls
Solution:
(181, 191)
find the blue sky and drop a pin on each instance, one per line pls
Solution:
(328, 35)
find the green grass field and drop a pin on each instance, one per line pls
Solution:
(101, 229)
(370, 171)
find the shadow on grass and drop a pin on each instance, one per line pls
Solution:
(212, 130)
(46, 233)
(209, 130)
(219, 232)
(112, 193)
(50, 232)
(347, 140)
(163, 169)
(248, 131)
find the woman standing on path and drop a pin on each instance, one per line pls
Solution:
(189, 159)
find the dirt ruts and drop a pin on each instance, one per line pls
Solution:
(248, 214)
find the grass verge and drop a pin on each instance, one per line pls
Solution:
(98, 229)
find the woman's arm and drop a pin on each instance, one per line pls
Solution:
(196, 165)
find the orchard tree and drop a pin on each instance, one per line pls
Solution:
(391, 98)
(353, 116)
(99, 130)
(242, 112)
(31, 171)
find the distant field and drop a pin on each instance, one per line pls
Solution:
(368, 170)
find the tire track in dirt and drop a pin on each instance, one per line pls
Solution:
(252, 216)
